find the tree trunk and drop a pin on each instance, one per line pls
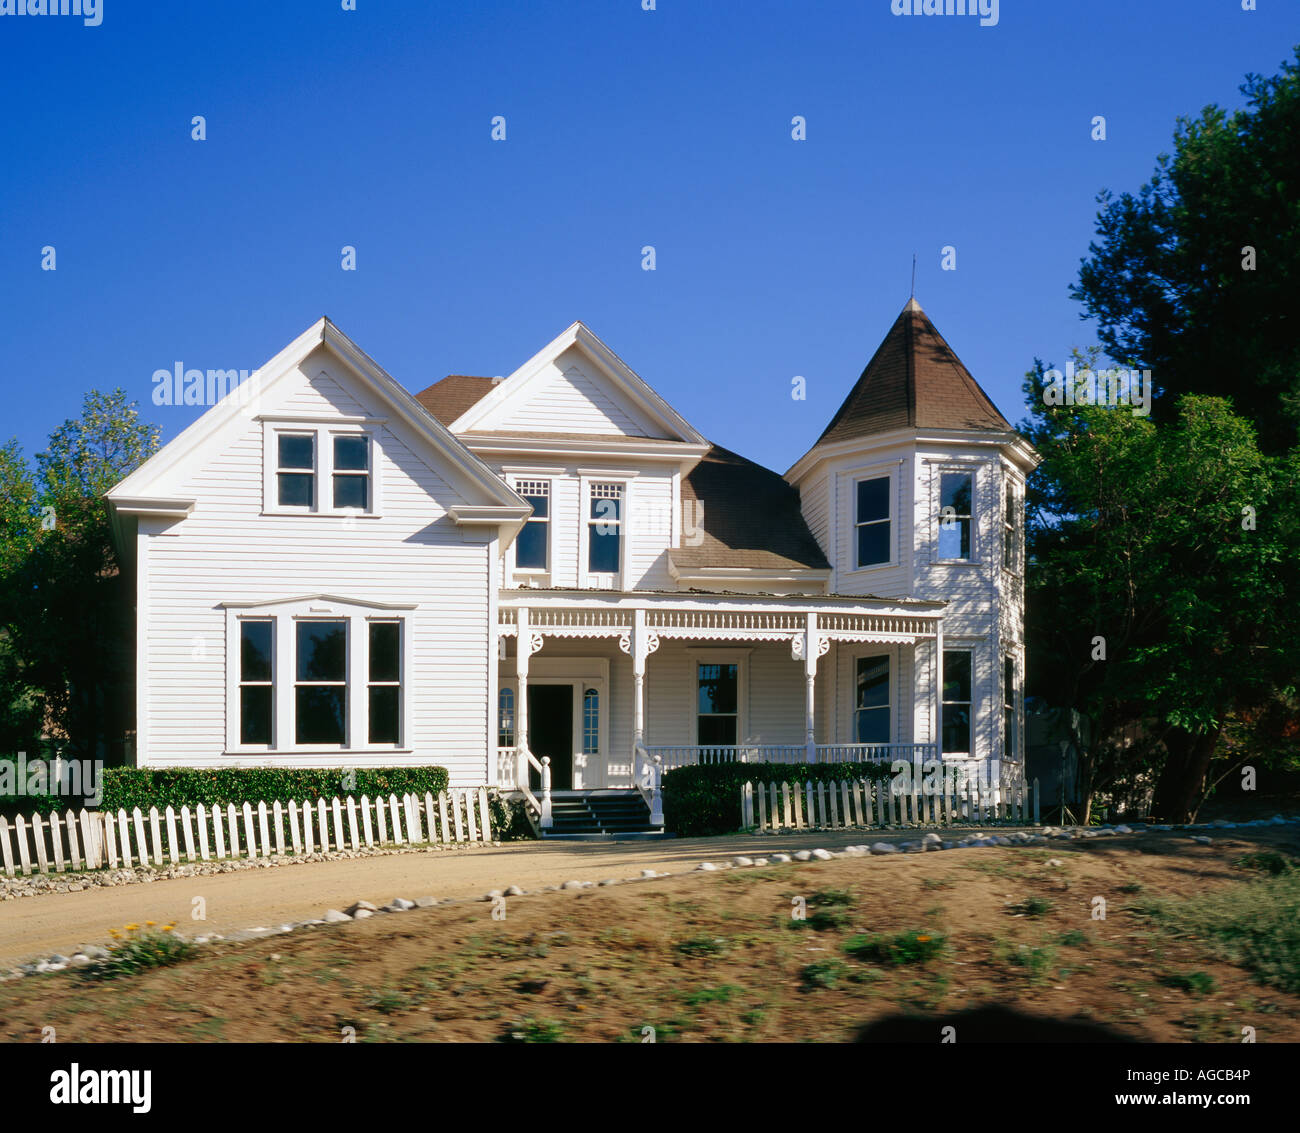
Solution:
(1178, 790)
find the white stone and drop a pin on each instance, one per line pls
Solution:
(706, 867)
(883, 848)
(361, 914)
(742, 861)
(781, 859)
(401, 903)
(425, 902)
(822, 855)
(803, 856)
(365, 906)
(572, 885)
(514, 891)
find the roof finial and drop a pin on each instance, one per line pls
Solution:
(913, 294)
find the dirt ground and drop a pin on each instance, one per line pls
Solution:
(706, 956)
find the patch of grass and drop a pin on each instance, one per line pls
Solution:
(824, 973)
(897, 950)
(702, 945)
(823, 920)
(532, 1030)
(1036, 960)
(1266, 861)
(1032, 907)
(1198, 983)
(135, 950)
(930, 883)
(1130, 888)
(1074, 939)
(1253, 924)
(388, 1002)
(831, 897)
(720, 994)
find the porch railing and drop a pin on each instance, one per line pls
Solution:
(513, 765)
(689, 755)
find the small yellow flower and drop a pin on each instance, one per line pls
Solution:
(114, 933)
(132, 927)
(923, 939)
(168, 927)
(150, 924)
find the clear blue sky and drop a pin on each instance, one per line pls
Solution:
(624, 128)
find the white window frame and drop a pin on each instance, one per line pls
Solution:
(323, 431)
(969, 649)
(588, 579)
(862, 477)
(542, 572)
(971, 469)
(1012, 494)
(1011, 752)
(285, 616)
(892, 706)
(737, 657)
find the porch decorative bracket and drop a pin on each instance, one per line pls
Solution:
(651, 642)
(535, 642)
(796, 647)
(823, 645)
(625, 643)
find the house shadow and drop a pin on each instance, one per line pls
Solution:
(996, 1024)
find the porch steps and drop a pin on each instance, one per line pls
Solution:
(600, 814)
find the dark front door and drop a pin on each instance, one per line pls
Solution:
(550, 732)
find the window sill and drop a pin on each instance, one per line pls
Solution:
(957, 562)
(871, 567)
(307, 513)
(242, 753)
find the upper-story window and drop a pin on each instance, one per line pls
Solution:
(605, 528)
(532, 545)
(872, 522)
(296, 470)
(320, 469)
(955, 494)
(1011, 517)
(352, 471)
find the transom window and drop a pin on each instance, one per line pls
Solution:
(717, 705)
(873, 527)
(956, 701)
(871, 714)
(296, 470)
(532, 545)
(604, 528)
(352, 472)
(384, 684)
(955, 491)
(321, 685)
(256, 682)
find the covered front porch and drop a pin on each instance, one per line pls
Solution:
(608, 692)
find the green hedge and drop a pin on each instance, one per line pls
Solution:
(705, 799)
(128, 787)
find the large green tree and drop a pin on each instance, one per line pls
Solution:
(1197, 276)
(65, 610)
(1163, 561)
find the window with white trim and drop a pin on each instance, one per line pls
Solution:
(1012, 514)
(872, 525)
(384, 682)
(351, 471)
(1009, 738)
(590, 722)
(320, 711)
(871, 702)
(256, 681)
(956, 701)
(955, 502)
(532, 544)
(505, 717)
(717, 719)
(296, 470)
(605, 528)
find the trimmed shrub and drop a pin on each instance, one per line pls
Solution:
(128, 787)
(705, 799)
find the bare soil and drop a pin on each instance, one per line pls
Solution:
(718, 957)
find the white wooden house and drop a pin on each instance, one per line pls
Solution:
(552, 580)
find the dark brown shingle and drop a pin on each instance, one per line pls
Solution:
(454, 395)
(914, 380)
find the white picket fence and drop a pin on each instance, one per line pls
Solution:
(94, 839)
(871, 803)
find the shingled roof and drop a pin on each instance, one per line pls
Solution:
(743, 515)
(913, 381)
(455, 395)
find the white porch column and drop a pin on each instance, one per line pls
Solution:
(937, 728)
(814, 646)
(639, 644)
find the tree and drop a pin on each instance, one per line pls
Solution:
(1162, 557)
(64, 610)
(1196, 276)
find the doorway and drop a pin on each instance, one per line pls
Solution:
(550, 732)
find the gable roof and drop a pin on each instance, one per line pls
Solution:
(492, 408)
(743, 516)
(914, 380)
(152, 488)
(455, 395)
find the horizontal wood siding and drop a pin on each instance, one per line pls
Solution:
(568, 400)
(227, 550)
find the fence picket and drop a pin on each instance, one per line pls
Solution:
(173, 847)
(365, 821)
(485, 818)
(232, 830)
(381, 820)
(455, 814)
(187, 828)
(322, 826)
(442, 816)
(6, 848)
(469, 817)
(430, 819)
(20, 833)
(762, 808)
(38, 836)
(747, 806)
(353, 834)
(264, 829)
(337, 808)
(295, 827)
(277, 820)
(56, 841)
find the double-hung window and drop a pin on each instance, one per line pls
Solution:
(717, 718)
(1009, 708)
(872, 522)
(351, 472)
(956, 701)
(1011, 515)
(296, 470)
(256, 681)
(532, 545)
(321, 685)
(505, 717)
(871, 711)
(605, 528)
(955, 493)
(384, 682)
(590, 721)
